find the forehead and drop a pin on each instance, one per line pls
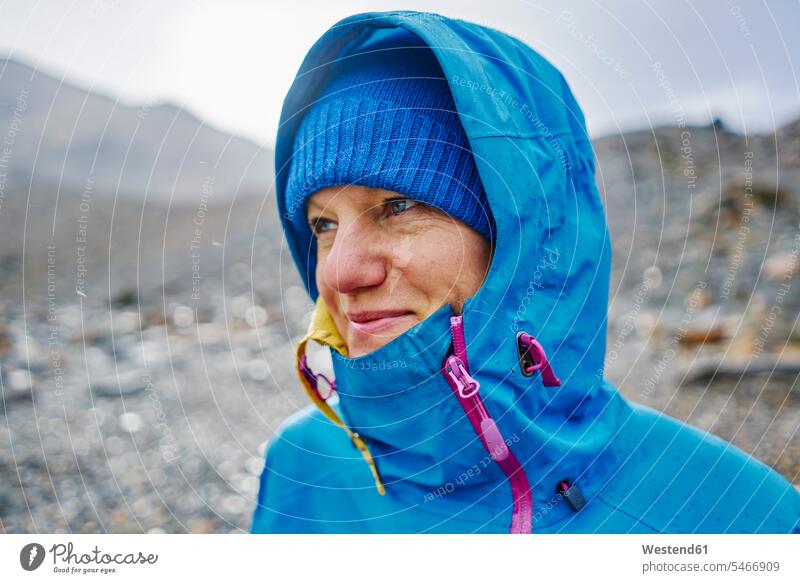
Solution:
(348, 196)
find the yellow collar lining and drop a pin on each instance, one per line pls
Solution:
(322, 330)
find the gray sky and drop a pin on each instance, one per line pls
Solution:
(630, 63)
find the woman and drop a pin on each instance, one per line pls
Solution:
(436, 187)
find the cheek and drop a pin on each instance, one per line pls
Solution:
(465, 260)
(328, 294)
(443, 264)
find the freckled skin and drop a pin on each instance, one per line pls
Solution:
(379, 250)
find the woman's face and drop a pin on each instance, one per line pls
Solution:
(386, 262)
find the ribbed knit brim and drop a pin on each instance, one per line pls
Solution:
(387, 120)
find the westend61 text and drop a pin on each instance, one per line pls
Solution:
(673, 550)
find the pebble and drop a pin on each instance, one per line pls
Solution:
(183, 316)
(130, 422)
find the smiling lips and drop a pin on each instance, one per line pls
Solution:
(373, 322)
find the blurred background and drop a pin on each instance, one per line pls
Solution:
(149, 305)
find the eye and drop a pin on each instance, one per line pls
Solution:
(320, 225)
(400, 205)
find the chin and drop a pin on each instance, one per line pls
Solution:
(361, 349)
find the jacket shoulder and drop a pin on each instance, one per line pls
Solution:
(309, 430)
(308, 448)
(678, 478)
(309, 462)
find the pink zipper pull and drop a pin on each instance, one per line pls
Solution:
(532, 358)
(498, 449)
(314, 380)
(467, 386)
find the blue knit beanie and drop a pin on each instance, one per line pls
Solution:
(386, 119)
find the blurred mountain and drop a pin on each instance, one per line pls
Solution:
(68, 137)
(125, 197)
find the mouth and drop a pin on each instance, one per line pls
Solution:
(368, 323)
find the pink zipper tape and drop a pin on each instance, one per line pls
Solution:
(466, 390)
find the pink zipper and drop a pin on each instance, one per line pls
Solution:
(466, 390)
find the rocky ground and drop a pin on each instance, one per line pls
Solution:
(144, 403)
(158, 427)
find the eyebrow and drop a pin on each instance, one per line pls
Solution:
(313, 211)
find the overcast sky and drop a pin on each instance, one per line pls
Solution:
(231, 62)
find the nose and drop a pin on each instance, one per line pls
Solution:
(357, 259)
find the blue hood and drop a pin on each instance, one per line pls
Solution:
(549, 277)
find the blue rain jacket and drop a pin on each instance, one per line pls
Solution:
(397, 451)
